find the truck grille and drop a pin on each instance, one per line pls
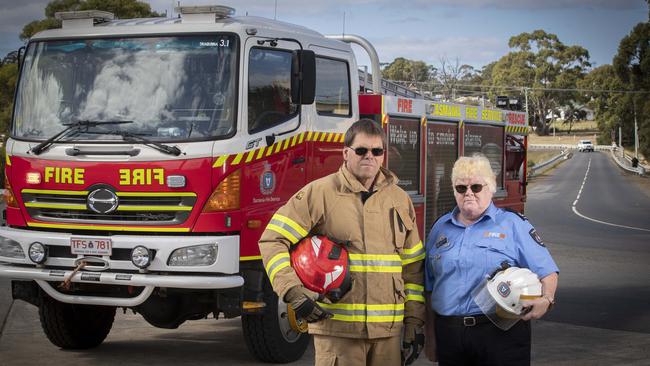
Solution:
(142, 208)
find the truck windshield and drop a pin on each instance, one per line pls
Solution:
(177, 88)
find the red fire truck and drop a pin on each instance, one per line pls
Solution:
(147, 155)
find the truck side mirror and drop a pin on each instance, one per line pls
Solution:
(303, 77)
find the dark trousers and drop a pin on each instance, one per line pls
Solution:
(482, 344)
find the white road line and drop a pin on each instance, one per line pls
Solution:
(575, 210)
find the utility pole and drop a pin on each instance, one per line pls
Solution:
(526, 103)
(636, 131)
(620, 140)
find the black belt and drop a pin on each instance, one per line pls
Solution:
(462, 321)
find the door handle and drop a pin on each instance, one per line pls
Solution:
(298, 160)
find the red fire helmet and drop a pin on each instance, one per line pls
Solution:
(322, 265)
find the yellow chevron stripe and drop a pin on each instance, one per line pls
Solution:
(220, 161)
(309, 135)
(237, 159)
(294, 139)
(286, 144)
(323, 136)
(302, 136)
(269, 150)
(259, 154)
(330, 136)
(250, 155)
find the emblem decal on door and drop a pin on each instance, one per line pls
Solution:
(267, 182)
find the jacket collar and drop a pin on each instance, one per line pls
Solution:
(350, 183)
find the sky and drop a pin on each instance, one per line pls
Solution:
(474, 32)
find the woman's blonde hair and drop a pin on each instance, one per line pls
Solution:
(477, 165)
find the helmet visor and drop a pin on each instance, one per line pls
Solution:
(497, 314)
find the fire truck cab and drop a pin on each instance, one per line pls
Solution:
(147, 156)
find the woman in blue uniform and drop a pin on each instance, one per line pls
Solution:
(464, 247)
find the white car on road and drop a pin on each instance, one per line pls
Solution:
(585, 145)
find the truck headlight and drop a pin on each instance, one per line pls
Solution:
(10, 248)
(37, 253)
(196, 255)
(141, 257)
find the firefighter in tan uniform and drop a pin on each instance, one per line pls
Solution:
(360, 204)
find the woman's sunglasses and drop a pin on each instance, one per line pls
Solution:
(476, 188)
(362, 151)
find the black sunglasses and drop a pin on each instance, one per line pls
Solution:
(476, 188)
(362, 151)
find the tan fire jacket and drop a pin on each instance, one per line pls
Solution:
(386, 255)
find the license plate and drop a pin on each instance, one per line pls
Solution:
(92, 246)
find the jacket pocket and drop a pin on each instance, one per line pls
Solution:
(400, 298)
(398, 285)
(401, 225)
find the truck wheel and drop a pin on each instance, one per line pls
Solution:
(269, 336)
(71, 326)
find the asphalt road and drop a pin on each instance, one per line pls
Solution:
(602, 315)
(604, 266)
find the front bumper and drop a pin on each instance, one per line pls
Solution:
(222, 274)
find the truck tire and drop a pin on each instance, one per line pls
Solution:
(71, 326)
(269, 336)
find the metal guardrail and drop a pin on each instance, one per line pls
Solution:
(625, 163)
(564, 147)
(565, 155)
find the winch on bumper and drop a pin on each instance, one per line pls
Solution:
(184, 262)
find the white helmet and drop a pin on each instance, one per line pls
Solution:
(500, 296)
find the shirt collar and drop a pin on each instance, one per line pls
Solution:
(490, 213)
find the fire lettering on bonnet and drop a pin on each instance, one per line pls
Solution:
(64, 175)
(149, 176)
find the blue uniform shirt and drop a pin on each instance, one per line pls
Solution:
(459, 258)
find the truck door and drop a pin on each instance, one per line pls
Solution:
(275, 166)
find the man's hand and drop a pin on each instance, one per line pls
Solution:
(413, 340)
(538, 307)
(303, 302)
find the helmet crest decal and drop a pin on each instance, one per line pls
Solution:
(503, 289)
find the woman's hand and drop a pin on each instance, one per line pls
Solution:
(538, 307)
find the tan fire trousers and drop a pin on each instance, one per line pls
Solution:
(339, 351)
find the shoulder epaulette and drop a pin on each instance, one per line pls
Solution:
(521, 216)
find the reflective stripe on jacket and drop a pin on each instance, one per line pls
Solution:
(386, 254)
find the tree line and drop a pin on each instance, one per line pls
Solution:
(551, 76)
(539, 68)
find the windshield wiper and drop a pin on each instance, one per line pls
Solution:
(71, 130)
(131, 137)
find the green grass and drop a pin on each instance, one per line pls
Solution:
(540, 156)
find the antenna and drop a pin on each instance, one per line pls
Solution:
(343, 23)
(275, 14)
